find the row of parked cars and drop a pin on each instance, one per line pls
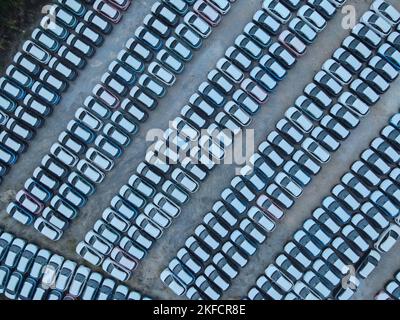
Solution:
(391, 291)
(28, 272)
(116, 225)
(344, 237)
(284, 165)
(146, 206)
(42, 70)
(103, 126)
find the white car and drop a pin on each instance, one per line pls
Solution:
(106, 289)
(198, 248)
(161, 73)
(360, 223)
(346, 197)
(384, 68)
(387, 11)
(197, 24)
(169, 279)
(350, 101)
(14, 253)
(379, 220)
(324, 218)
(279, 278)
(265, 290)
(368, 264)
(388, 238)
(261, 219)
(92, 285)
(307, 244)
(277, 10)
(384, 203)
(217, 277)
(98, 243)
(157, 216)
(317, 232)
(48, 229)
(315, 150)
(132, 248)
(287, 266)
(288, 184)
(336, 209)
(230, 250)
(65, 275)
(327, 273)
(185, 129)
(352, 235)
(116, 220)
(315, 283)
(317, 95)
(304, 292)
(336, 70)
(240, 240)
(106, 231)
(343, 247)
(90, 171)
(166, 205)
(366, 35)
(27, 257)
(251, 231)
(89, 254)
(213, 222)
(365, 173)
(376, 23)
(79, 281)
(239, 184)
(208, 288)
(347, 118)
(115, 270)
(269, 207)
(99, 160)
(330, 257)
(123, 259)
(228, 267)
(298, 173)
(150, 227)
(39, 263)
(312, 18)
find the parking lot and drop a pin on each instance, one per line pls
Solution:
(146, 277)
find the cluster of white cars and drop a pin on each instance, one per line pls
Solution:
(146, 206)
(28, 272)
(358, 222)
(290, 156)
(103, 126)
(391, 291)
(42, 70)
(344, 239)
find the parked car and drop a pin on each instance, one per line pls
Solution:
(107, 11)
(388, 238)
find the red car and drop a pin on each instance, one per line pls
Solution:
(107, 11)
(120, 4)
